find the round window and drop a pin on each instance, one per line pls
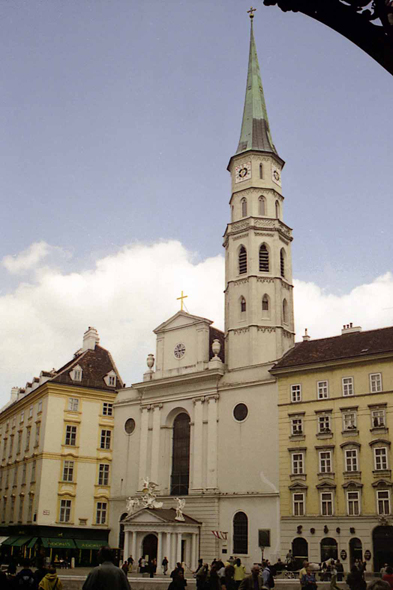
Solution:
(129, 426)
(240, 412)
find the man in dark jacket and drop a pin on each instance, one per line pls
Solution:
(106, 575)
(253, 582)
(24, 580)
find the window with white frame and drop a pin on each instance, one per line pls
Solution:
(296, 426)
(37, 434)
(111, 381)
(327, 504)
(28, 434)
(11, 445)
(107, 409)
(12, 508)
(105, 442)
(22, 417)
(65, 511)
(19, 443)
(353, 503)
(24, 469)
(381, 458)
(375, 382)
(325, 461)
(349, 421)
(70, 437)
(21, 502)
(383, 502)
(296, 393)
(378, 418)
(298, 504)
(73, 404)
(103, 474)
(101, 512)
(68, 471)
(322, 389)
(39, 408)
(30, 509)
(15, 482)
(6, 480)
(33, 470)
(31, 412)
(324, 423)
(351, 460)
(347, 386)
(297, 463)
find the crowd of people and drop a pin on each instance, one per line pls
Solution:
(43, 578)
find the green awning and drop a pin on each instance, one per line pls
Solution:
(89, 544)
(10, 540)
(21, 541)
(58, 543)
(32, 542)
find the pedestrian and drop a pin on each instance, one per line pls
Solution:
(240, 572)
(388, 576)
(41, 570)
(51, 581)
(383, 570)
(340, 571)
(214, 580)
(124, 567)
(150, 568)
(333, 577)
(227, 581)
(303, 572)
(202, 576)
(165, 565)
(106, 575)
(267, 576)
(355, 579)
(178, 568)
(24, 580)
(130, 562)
(179, 582)
(308, 580)
(254, 581)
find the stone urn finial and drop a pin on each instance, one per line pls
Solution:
(150, 361)
(216, 347)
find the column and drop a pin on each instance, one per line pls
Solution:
(143, 466)
(212, 442)
(178, 548)
(169, 550)
(160, 556)
(155, 447)
(197, 447)
(134, 555)
(193, 543)
(126, 546)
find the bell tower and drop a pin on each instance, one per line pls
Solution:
(259, 322)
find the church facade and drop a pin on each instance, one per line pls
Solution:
(203, 423)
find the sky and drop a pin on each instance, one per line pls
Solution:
(117, 122)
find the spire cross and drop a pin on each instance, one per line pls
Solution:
(251, 12)
(181, 298)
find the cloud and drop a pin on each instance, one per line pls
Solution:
(30, 258)
(129, 293)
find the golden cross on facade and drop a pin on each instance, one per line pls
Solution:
(251, 12)
(181, 298)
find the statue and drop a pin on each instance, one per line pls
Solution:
(179, 509)
(149, 497)
(131, 504)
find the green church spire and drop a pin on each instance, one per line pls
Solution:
(255, 133)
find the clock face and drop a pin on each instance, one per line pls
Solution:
(243, 172)
(179, 351)
(276, 175)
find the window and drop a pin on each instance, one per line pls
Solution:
(351, 460)
(180, 455)
(73, 404)
(243, 305)
(103, 475)
(129, 425)
(322, 389)
(22, 417)
(349, 421)
(347, 386)
(240, 533)
(296, 393)
(298, 504)
(263, 258)
(375, 382)
(19, 443)
(21, 501)
(31, 412)
(327, 503)
(33, 470)
(70, 437)
(324, 424)
(107, 409)
(262, 206)
(265, 305)
(11, 445)
(297, 464)
(37, 434)
(15, 482)
(39, 409)
(325, 462)
(68, 471)
(24, 469)
(297, 426)
(383, 502)
(378, 418)
(112, 381)
(30, 509)
(240, 412)
(6, 480)
(242, 260)
(244, 207)
(7, 425)
(282, 263)
(105, 439)
(381, 458)
(28, 434)
(260, 171)
(65, 511)
(285, 311)
(12, 508)
(101, 512)
(77, 375)
(353, 503)
(277, 210)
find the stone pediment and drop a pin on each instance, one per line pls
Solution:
(181, 319)
(158, 516)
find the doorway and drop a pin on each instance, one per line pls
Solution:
(149, 547)
(355, 550)
(382, 546)
(328, 549)
(299, 551)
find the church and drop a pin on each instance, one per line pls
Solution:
(202, 424)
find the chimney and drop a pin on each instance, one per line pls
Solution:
(350, 329)
(306, 337)
(14, 394)
(90, 339)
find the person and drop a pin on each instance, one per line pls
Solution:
(355, 579)
(220, 569)
(106, 575)
(308, 580)
(201, 576)
(179, 582)
(378, 585)
(4, 583)
(214, 580)
(130, 562)
(240, 572)
(388, 576)
(165, 565)
(51, 581)
(267, 576)
(333, 577)
(340, 570)
(124, 567)
(303, 572)
(178, 568)
(41, 570)
(383, 569)
(25, 578)
(227, 581)
(254, 581)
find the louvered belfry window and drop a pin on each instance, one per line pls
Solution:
(242, 260)
(263, 259)
(262, 206)
(282, 263)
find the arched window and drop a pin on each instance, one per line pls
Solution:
(262, 206)
(260, 171)
(244, 207)
(180, 455)
(242, 260)
(265, 305)
(277, 210)
(285, 311)
(263, 258)
(240, 533)
(282, 262)
(243, 305)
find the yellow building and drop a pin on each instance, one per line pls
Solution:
(56, 440)
(335, 411)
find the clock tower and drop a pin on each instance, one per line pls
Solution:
(259, 322)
